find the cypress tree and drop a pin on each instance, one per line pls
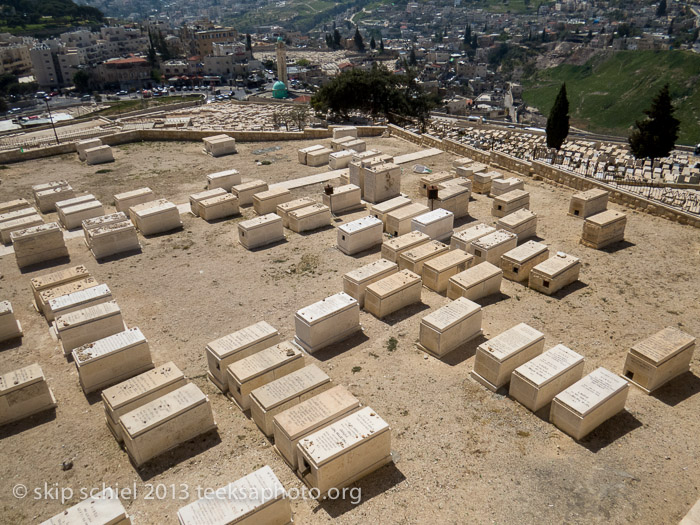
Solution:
(381, 45)
(558, 121)
(372, 43)
(656, 135)
(359, 42)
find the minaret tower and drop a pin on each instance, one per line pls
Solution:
(282, 62)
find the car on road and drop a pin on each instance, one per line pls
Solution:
(122, 93)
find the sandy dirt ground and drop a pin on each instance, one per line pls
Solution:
(463, 454)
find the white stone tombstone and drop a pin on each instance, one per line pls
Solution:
(523, 223)
(102, 509)
(197, 198)
(245, 191)
(360, 235)
(46, 282)
(604, 229)
(436, 271)
(518, 262)
(555, 273)
(475, 283)
(113, 238)
(77, 300)
(355, 282)
(10, 327)
(99, 155)
(260, 231)
(587, 203)
(318, 157)
(226, 179)
(398, 222)
(501, 186)
(510, 202)
(326, 322)
(285, 208)
(87, 325)
(47, 198)
(309, 218)
(38, 244)
(489, 248)
(462, 239)
(393, 248)
(393, 293)
(450, 326)
(23, 393)
(343, 198)
(24, 223)
(414, 258)
(455, 199)
(218, 207)
(433, 179)
(303, 152)
(267, 201)
(73, 216)
(124, 201)
(381, 182)
(154, 217)
(380, 210)
(83, 145)
(344, 131)
(438, 224)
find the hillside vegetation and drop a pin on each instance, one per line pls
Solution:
(45, 17)
(610, 92)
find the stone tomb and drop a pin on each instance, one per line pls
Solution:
(501, 186)
(165, 423)
(102, 509)
(13, 205)
(309, 218)
(463, 239)
(246, 190)
(398, 222)
(498, 357)
(124, 201)
(10, 328)
(219, 145)
(588, 403)
(361, 160)
(535, 383)
(303, 152)
(77, 300)
(24, 223)
(604, 229)
(655, 361)
(261, 368)
(292, 425)
(483, 181)
(285, 208)
(438, 270)
(476, 282)
(197, 198)
(433, 179)
(360, 235)
(282, 394)
(343, 198)
(98, 222)
(38, 244)
(137, 391)
(450, 326)
(226, 179)
(455, 199)
(345, 451)
(260, 231)
(510, 202)
(461, 162)
(339, 160)
(393, 248)
(355, 282)
(155, 217)
(517, 263)
(345, 131)
(218, 207)
(491, 247)
(258, 498)
(437, 224)
(236, 346)
(87, 325)
(380, 210)
(552, 275)
(48, 281)
(587, 203)
(53, 292)
(23, 393)
(414, 258)
(111, 239)
(99, 155)
(319, 157)
(523, 223)
(73, 216)
(112, 359)
(17, 214)
(356, 145)
(393, 293)
(327, 321)
(267, 201)
(339, 143)
(47, 195)
(82, 145)
(381, 182)
(457, 181)
(74, 201)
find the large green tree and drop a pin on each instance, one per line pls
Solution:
(558, 121)
(359, 42)
(656, 135)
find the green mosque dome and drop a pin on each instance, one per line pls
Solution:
(279, 90)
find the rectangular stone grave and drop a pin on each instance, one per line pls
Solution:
(285, 208)
(339, 143)
(112, 359)
(261, 368)
(197, 198)
(260, 231)
(360, 235)
(246, 190)
(282, 394)
(119, 237)
(345, 451)
(219, 145)
(380, 210)
(77, 300)
(17, 214)
(361, 160)
(433, 179)
(137, 391)
(491, 247)
(658, 359)
(99, 222)
(339, 160)
(357, 145)
(82, 145)
(398, 222)
(588, 403)
(518, 262)
(303, 152)
(73, 216)
(124, 201)
(355, 282)
(497, 358)
(535, 383)
(501, 186)
(10, 328)
(258, 498)
(219, 207)
(393, 248)
(46, 282)
(98, 155)
(226, 179)
(604, 229)
(102, 509)
(343, 198)
(437, 271)
(462, 239)
(345, 131)
(327, 321)
(74, 201)
(483, 180)
(23, 393)
(292, 425)
(38, 244)
(510, 202)
(13, 205)
(454, 199)
(523, 223)
(414, 258)
(155, 217)
(552, 275)
(165, 423)
(267, 201)
(475, 283)
(46, 199)
(6, 228)
(381, 182)
(309, 218)
(438, 224)
(233, 347)
(393, 293)
(87, 325)
(587, 203)
(461, 162)
(450, 326)
(318, 157)
(457, 181)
